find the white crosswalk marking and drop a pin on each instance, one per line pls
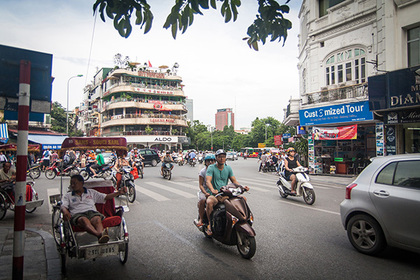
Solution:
(169, 189)
(186, 185)
(151, 194)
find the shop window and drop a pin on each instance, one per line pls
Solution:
(413, 45)
(386, 175)
(407, 174)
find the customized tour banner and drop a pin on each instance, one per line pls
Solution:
(335, 133)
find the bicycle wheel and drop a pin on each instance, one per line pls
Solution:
(3, 206)
(57, 221)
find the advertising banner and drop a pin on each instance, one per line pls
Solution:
(379, 139)
(278, 140)
(335, 133)
(391, 146)
(351, 112)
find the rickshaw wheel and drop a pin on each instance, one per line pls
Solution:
(124, 254)
(3, 206)
(57, 220)
(131, 194)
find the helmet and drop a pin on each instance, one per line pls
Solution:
(209, 157)
(220, 152)
(291, 149)
(98, 151)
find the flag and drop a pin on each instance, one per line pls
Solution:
(150, 64)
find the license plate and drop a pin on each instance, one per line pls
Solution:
(101, 251)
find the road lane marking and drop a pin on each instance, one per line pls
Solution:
(169, 189)
(151, 194)
(311, 208)
(186, 185)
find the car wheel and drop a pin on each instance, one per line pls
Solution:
(366, 235)
(154, 162)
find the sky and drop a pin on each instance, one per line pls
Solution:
(217, 67)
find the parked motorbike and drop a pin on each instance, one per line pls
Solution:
(57, 169)
(104, 171)
(231, 221)
(34, 171)
(127, 180)
(303, 187)
(167, 172)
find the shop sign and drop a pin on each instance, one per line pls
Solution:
(301, 130)
(351, 112)
(261, 145)
(379, 129)
(163, 120)
(390, 147)
(335, 133)
(406, 116)
(278, 140)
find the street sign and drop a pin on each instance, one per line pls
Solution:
(40, 80)
(278, 140)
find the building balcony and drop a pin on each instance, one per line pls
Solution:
(144, 119)
(119, 103)
(141, 132)
(142, 89)
(336, 95)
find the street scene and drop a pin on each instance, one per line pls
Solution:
(209, 139)
(294, 240)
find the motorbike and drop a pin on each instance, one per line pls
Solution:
(303, 187)
(7, 199)
(231, 221)
(104, 171)
(57, 168)
(192, 162)
(180, 160)
(127, 180)
(167, 172)
(139, 166)
(34, 171)
(200, 159)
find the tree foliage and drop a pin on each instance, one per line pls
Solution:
(58, 120)
(270, 22)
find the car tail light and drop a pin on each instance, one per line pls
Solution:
(348, 190)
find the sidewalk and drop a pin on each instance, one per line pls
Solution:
(41, 259)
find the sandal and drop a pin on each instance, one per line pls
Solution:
(208, 231)
(103, 239)
(197, 223)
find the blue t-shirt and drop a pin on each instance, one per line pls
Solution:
(219, 178)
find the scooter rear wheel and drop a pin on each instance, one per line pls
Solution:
(248, 247)
(50, 174)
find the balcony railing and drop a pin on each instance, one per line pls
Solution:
(142, 100)
(141, 132)
(150, 116)
(341, 93)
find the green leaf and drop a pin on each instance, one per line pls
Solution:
(228, 15)
(174, 29)
(109, 12)
(139, 17)
(204, 4)
(149, 22)
(101, 11)
(195, 7)
(213, 4)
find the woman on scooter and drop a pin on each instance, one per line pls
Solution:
(204, 191)
(290, 163)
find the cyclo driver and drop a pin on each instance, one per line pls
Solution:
(218, 176)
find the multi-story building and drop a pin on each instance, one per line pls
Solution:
(342, 45)
(145, 105)
(224, 117)
(190, 108)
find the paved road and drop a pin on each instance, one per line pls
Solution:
(294, 240)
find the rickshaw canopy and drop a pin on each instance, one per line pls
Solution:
(32, 148)
(91, 143)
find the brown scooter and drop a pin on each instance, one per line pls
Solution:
(231, 221)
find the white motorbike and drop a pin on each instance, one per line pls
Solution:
(303, 187)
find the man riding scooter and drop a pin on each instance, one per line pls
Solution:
(217, 176)
(291, 162)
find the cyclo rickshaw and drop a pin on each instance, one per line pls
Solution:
(7, 196)
(74, 242)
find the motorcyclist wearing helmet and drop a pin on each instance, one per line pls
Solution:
(166, 161)
(217, 176)
(99, 161)
(204, 191)
(136, 155)
(291, 162)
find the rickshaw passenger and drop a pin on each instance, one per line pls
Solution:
(79, 207)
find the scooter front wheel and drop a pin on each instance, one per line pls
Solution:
(246, 245)
(309, 196)
(131, 194)
(85, 175)
(50, 174)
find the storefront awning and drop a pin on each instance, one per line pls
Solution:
(47, 141)
(4, 134)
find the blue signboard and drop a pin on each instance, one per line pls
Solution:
(350, 112)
